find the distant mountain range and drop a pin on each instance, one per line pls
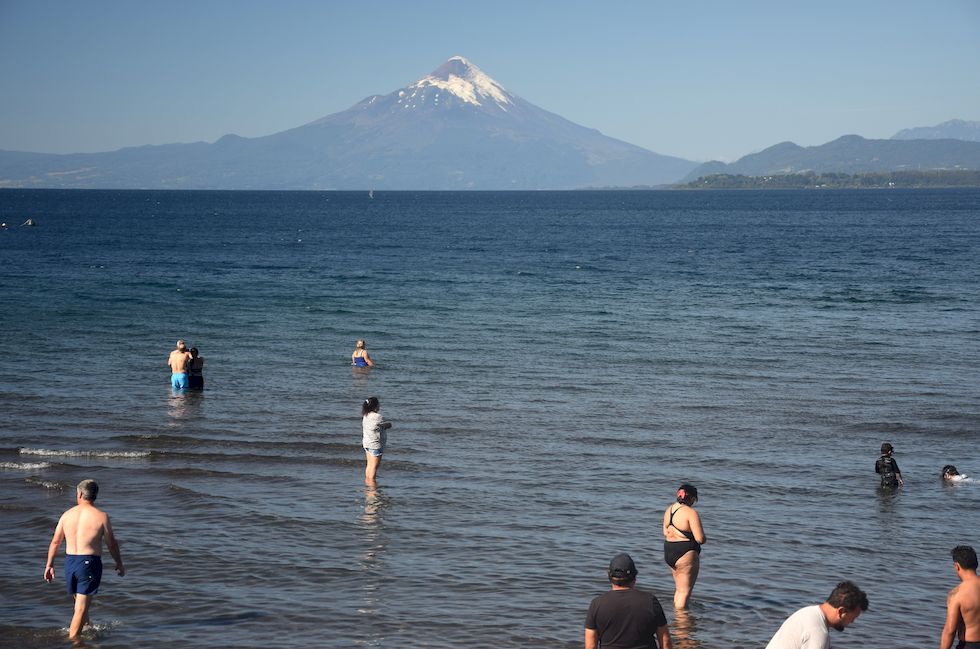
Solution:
(455, 128)
(851, 154)
(954, 129)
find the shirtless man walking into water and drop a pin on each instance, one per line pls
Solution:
(179, 360)
(963, 602)
(83, 527)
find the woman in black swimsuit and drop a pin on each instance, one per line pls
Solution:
(683, 537)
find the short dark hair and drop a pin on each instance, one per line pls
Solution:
(849, 596)
(886, 448)
(965, 556)
(89, 490)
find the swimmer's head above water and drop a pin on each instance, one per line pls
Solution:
(950, 472)
(359, 344)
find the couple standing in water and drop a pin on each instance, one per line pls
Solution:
(186, 368)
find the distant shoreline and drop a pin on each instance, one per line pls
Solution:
(947, 179)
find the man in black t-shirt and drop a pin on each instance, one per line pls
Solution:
(887, 467)
(624, 617)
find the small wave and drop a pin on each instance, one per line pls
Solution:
(24, 466)
(47, 484)
(71, 453)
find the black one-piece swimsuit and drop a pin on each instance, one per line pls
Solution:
(674, 550)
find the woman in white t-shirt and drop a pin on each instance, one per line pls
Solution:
(375, 437)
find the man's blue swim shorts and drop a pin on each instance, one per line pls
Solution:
(83, 573)
(178, 380)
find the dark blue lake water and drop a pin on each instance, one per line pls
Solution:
(554, 364)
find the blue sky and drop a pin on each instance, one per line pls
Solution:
(700, 80)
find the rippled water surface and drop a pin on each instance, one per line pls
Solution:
(555, 364)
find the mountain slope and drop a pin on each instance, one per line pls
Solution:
(455, 128)
(954, 129)
(851, 154)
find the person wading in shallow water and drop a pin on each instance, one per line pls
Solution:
(360, 357)
(887, 468)
(683, 538)
(374, 438)
(179, 359)
(83, 528)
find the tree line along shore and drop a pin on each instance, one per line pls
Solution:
(812, 180)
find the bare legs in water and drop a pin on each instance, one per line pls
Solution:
(80, 619)
(685, 573)
(371, 470)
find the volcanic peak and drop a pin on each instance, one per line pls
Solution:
(466, 81)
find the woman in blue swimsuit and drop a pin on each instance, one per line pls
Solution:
(360, 356)
(683, 537)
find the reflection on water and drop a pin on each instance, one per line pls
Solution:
(888, 497)
(183, 405)
(372, 523)
(684, 630)
(372, 560)
(374, 504)
(359, 376)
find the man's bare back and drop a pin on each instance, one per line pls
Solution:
(179, 360)
(963, 602)
(964, 599)
(83, 528)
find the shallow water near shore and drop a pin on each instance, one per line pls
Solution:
(554, 364)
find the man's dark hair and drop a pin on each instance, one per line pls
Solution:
(965, 556)
(849, 596)
(89, 489)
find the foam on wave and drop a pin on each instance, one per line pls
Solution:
(77, 453)
(24, 466)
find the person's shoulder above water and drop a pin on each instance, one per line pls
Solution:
(360, 356)
(951, 474)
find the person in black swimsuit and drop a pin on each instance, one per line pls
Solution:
(683, 537)
(887, 468)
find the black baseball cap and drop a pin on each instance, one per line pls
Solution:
(622, 566)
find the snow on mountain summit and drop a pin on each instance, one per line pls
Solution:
(465, 81)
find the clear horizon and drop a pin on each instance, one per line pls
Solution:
(702, 81)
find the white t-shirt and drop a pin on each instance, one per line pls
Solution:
(805, 629)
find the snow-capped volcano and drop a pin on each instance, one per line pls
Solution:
(455, 128)
(460, 78)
